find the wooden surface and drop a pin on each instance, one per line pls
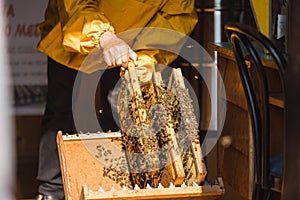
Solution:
(236, 161)
(209, 192)
(225, 49)
(83, 162)
(226, 58)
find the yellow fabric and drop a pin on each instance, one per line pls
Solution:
(261, 10)
(72, 28)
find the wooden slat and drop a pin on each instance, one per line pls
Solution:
(198, 167)
(187, 193)
(224, 49)
(277, 100)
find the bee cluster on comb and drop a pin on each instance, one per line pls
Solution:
(159, 128)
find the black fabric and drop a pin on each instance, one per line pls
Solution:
(108, 117)
(276, 165)
(57, 116)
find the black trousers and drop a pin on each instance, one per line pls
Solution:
(58, 115)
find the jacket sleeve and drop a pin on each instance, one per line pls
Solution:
(83, 25)
(179, 17)
(51, 19)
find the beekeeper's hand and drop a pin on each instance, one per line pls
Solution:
(116, 52)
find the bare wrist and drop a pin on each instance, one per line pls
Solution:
(106, 35)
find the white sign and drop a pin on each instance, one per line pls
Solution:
(27, 65)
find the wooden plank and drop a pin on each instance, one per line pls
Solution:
(276, 100)
(176, 169)
(224, 50)
(84, 161)
(198, 168)
(236, 170)
(184, 193)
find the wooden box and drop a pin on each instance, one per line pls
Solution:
(94, 166)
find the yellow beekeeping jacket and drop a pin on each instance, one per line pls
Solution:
(72, 28)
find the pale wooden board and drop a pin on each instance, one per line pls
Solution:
(178, 193)
(82, 164)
